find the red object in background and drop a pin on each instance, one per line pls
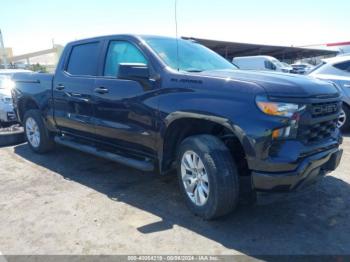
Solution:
(340, 43)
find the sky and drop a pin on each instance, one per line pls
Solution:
(32, 25)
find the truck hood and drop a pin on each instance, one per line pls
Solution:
(280, 84)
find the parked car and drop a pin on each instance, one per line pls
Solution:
(159, 104)
(263, 63)
(287, 66)
(11, 72)
(7, 114)
(301, 68)
(337, 70)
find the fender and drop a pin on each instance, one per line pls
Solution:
(236, 130)
(222, 121)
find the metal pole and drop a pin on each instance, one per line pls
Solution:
(2, 48)
(177, 39)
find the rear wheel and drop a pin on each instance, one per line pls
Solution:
(207, 176)
(38, 137)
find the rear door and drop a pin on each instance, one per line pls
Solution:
(73, 89)
(125, 110)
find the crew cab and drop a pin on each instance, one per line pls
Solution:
(160, 104)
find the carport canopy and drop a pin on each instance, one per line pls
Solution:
(229, 50)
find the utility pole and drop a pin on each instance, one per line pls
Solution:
(3, 51)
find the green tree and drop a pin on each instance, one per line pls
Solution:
(38, 68)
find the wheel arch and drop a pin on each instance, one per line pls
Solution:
(181, 125)
(25, 104)
(346, 108)
(346, 104)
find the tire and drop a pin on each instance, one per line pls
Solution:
(346, 125)
(221, 173)
(9, 138)
(45, 142)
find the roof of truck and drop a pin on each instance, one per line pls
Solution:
(121, 35)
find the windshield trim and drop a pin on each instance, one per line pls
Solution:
(317, 67)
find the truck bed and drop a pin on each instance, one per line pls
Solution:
(34, 86)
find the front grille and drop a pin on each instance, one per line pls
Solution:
(325, 109)
(317, 132)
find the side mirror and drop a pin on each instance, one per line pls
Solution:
(136, 72)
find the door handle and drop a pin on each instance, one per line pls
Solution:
(346, 85)
(101, 90)
(76, 97)
(60, 87)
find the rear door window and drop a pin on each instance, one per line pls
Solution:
(83, 60)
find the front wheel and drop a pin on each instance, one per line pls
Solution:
(37, 135)
(344, 119)
(208, 176)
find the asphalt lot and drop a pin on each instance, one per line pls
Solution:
(68, 202)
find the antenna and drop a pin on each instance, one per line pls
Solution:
(177, 39)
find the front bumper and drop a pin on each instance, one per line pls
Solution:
(7, 113)
(8, 117)
(307, 171)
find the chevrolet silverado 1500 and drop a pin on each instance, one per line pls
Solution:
(160, 104)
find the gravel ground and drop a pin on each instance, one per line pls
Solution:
(67, 202)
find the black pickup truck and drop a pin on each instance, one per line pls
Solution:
(159, 104)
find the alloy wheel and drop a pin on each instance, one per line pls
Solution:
(341, 119)
(32, 132)
(195, 178)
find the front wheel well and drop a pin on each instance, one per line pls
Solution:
(24, 105)
(346, 105)
(183, 128)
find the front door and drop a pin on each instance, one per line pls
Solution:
(124, 110)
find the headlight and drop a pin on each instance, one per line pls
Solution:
(278, 108)
(6, 100)
(289, 110)
(9, 84)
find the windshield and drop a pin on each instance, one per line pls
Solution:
(317, 67)
(193, 57)
(277, 63)
(300, 66)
